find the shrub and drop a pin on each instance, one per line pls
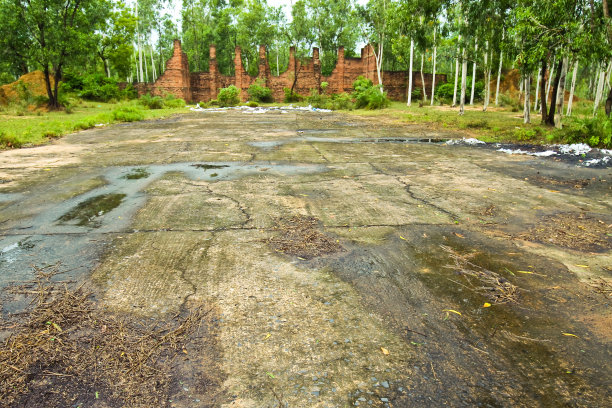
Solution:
(445, 91)
(341, 101)
(596, 132)
(317, 100)
(151, 102)
(259, 93)
(87, 123)
(127, 113)
(417, 93)
(252, 104)
(173, 102)
(228, 96)
(97, 87)
(9, 140)
(291, 96)
(369, 96)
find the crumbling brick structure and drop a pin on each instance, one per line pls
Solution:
(204, 86)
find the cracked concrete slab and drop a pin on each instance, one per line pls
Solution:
(387, 321)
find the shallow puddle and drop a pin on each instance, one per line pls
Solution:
(87, 212)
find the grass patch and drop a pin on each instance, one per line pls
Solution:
(25, 128)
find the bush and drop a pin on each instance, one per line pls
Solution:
(317, 100)
(369, 96)
(259, 93)
(151, 102)
(97, 87)
(252, 104)
(127, 113)
(291, 96)
(229, 96)
(445, 91)
(417, 94)
(596, 132)
(173, 102)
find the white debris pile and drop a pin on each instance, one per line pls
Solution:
(259, 109)
(576, 149)
(545, 153)
(469, 141)
(595, 162)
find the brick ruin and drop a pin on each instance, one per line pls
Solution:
(204, 86)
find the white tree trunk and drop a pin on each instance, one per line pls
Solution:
(573, 86)
(464, 69)
(139, 46)
(456, 74)
(488, 75)
(561, 95)
(146, 69)
(423, 77)
(154, 73)
(537, 89)
(474, 73)
(379, 59)
(410, 74)
(527, 104)
(433, 78)
(599, 91)
(551, 72)
(501, 60)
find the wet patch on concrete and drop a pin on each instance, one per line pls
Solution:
(205, 166)
(87, 212)
(137, 173)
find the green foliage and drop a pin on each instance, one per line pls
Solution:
(292, 96)
(252, 104)
(333, 101)
(259, 93)
(170, 101)
(6, 78)
(596, 132)
(445, 91)
(151, 102)
(417, 93)
(127, 113)
(368, 96)
(97, 87)
(229, 96)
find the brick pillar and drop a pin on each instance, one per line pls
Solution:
(292, 67)
(213, 71)
(239, 71)
(340, 68)
(316, 65)
(262, 64)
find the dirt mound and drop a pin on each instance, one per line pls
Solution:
(510, 86)
(299, 236)
(34, 85)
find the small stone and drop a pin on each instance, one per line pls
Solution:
(347, 340)
(384, 399)
(385, 384)
(373, 379)
(361, 399)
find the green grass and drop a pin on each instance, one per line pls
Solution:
(497, 125)
(35, 128)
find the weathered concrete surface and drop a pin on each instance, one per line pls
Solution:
(311, 333)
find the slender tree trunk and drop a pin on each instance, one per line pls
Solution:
(153, 74)
(573, 86)
(488, 85)
(53, 103)
(527, 104)
(141, 78)
(146, 69)
(501, 60)
(537, 89)
(561, 94)
(543, 107)
(409, 103)
(423, 77)
(598, 91)
(521, 83)
(464, 69)
(553, 99)
(456, 74)
(379, 59)
(549, 81)
(433, 78)
(474, 73)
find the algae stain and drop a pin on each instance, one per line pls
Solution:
(138, 173)
(86, 212)
(205, 166)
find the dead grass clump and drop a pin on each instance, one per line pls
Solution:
(494, 287)
(601, 285)
(65, 351)
(300, 237)
(577, 184)
(571, 230)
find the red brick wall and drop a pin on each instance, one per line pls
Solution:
(204, 86)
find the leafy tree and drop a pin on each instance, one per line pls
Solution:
(57, 32)
(114, 40)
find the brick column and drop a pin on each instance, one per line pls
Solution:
(213, 71)
(340, 70)
(238, 70)
(316, 66)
